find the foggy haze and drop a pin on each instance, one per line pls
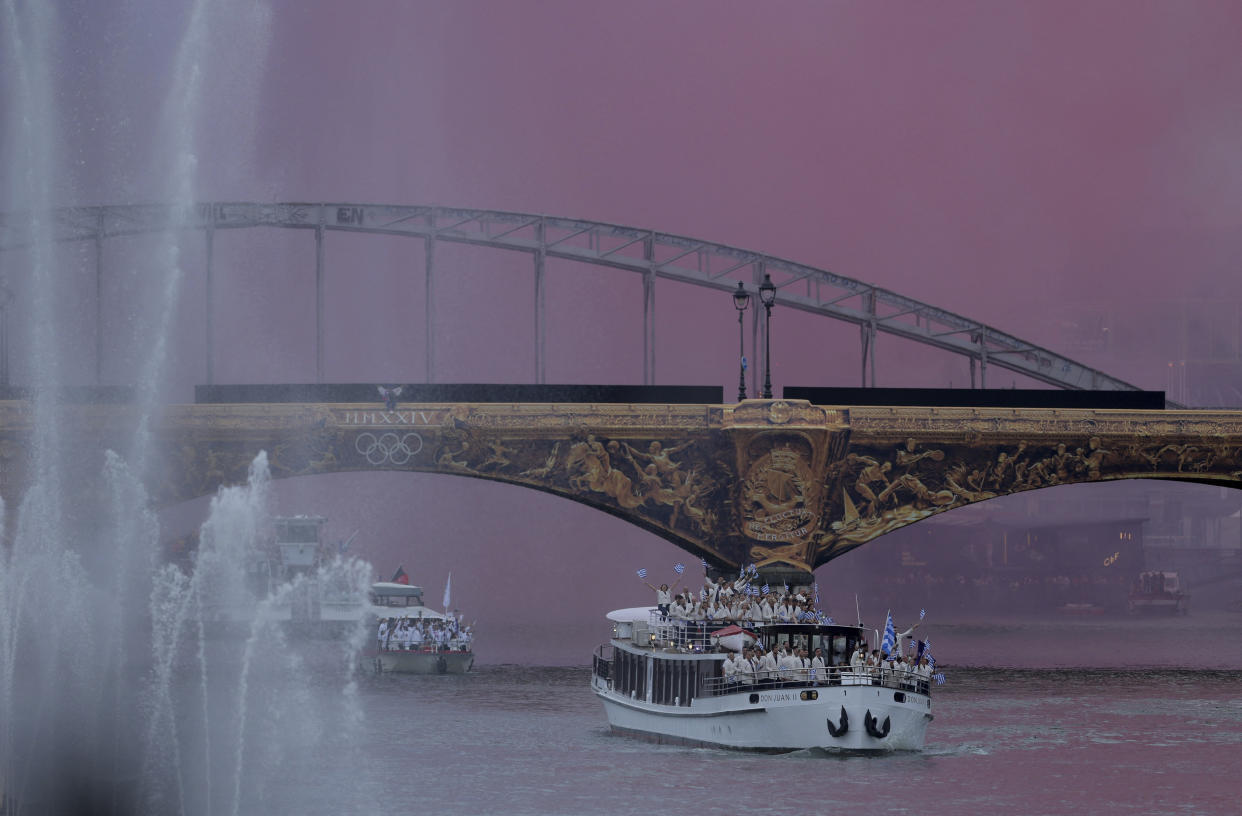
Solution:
(1066, 172)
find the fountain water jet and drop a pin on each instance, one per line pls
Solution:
(113, 688)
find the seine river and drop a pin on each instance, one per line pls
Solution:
(514, 740)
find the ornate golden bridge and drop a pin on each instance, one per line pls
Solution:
(784, 484)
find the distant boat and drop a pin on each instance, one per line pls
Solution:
(435, 646)
(284, 581)
(1159, 593)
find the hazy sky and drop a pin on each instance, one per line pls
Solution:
(1021, 163)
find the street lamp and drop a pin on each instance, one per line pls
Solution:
(767, 295)
(741, 302)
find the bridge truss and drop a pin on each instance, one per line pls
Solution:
(647, 253)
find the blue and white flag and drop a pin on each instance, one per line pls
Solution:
(703, 561)
(752, 569)
(890, 636)
(765, 589)
(939, 678)
(786, 587)
(642, 573)
(815, 587)
(922, 614)
(679, 568)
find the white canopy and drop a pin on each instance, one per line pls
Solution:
(631, 615)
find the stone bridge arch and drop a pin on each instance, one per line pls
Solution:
(784, 484)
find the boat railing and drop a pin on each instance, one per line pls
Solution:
(690, 635)
(896, 679)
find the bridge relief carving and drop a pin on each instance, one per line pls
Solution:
(785, 485)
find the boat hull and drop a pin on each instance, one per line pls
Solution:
(1159, 605)
(400, 662)
(780, 720)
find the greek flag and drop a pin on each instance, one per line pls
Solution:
(754, 590)
(679, 568)
(703, 561)
(642, 573)
(890, 635)
(752, 569)
(765, 589)
(922, 613)
(939, 678)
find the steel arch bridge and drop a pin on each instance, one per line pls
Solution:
(651, 255)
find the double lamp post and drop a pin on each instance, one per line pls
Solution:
(741, 302)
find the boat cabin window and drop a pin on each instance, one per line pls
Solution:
(837, 644)
(679, 681)
(397, 600)
(630, 674)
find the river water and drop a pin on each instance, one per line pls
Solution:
(514, 739)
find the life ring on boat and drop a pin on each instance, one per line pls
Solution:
(842, 725)
(441, 665)
(875, 730)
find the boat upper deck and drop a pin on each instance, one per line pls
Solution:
(688, 658)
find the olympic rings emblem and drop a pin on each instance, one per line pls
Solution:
(388, 448)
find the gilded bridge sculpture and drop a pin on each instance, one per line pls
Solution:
(783, 484)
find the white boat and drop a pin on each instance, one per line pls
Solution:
(1159, 593)
(394, 602)
(286, 579)
(659, 680)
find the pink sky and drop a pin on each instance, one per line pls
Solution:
(1016, 162)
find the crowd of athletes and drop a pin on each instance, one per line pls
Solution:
(741, 601)
(422, 634)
